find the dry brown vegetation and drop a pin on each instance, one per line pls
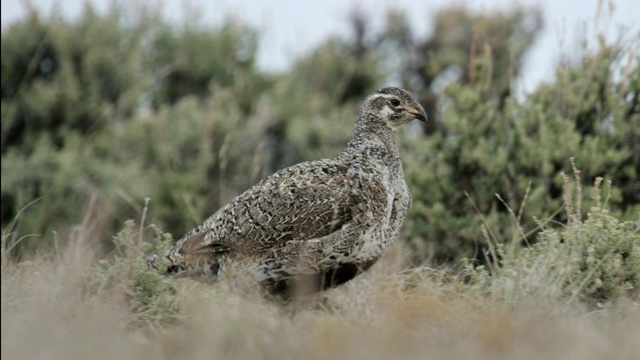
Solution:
(62, 304)
(385, 314)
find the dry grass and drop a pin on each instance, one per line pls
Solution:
(49, 312)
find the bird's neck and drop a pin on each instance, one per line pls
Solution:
(365, 136)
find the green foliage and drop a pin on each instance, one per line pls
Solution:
(496, 157)
(609, 261)
(595, 260)
(487, 48)
(123, 110)
(193, 59)
(483, 51)
(149, 294)
(57, 79)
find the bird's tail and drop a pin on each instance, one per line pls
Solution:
(203, 262)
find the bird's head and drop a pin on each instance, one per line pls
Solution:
(393, 106)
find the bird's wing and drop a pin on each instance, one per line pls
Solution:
(196, 243)
(304, 202)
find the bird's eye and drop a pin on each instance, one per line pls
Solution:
(395, 102)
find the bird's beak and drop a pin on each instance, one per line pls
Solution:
(419, 113)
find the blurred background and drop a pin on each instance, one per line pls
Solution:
(289, 29)
(188, 103)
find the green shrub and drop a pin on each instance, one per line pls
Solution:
(596, 259)
(58, 79)
(149, 294)
(100, 112)
(496, 157)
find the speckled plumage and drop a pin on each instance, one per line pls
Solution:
(325, 220)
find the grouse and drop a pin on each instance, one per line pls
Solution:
(318, 223)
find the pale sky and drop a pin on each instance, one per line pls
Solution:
(290, 28)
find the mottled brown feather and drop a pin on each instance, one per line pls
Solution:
(333, 217)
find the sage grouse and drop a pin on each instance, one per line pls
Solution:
(319, 222)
